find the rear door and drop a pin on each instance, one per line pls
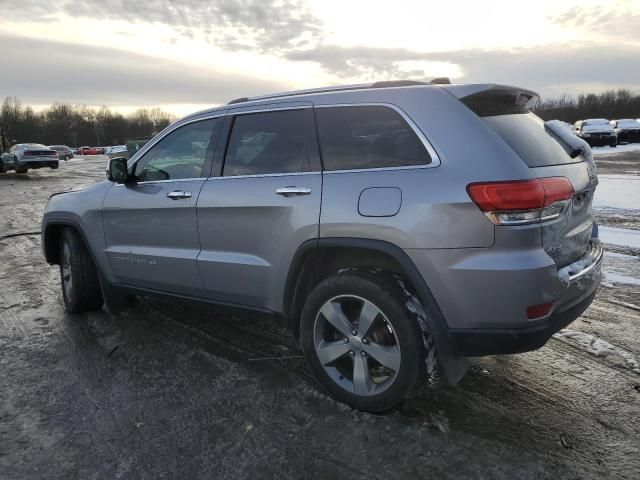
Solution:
(566, 238)
(262, 203)
(151, 228)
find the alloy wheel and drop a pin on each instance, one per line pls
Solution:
(356, 345)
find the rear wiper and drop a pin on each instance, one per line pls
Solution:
(573, 145)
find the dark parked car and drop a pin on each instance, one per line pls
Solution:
(627, 130)
(64, 152)
(597, 132)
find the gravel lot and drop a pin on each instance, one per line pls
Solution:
(183, 391)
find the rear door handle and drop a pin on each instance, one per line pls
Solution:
(178, 195)
(291, 191)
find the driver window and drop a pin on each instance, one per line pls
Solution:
(181, 154)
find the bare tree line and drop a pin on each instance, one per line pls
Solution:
(77, 125)
(612, 104)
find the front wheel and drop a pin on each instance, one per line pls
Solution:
(54, 166)
(361, 342)
(78, 275)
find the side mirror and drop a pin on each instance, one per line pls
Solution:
(117, 170)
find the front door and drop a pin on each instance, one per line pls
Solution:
(151, 228)
(260, 207)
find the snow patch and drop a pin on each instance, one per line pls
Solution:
(600, 348)
(565, 273)
(630, 147)
(618, 191)
(415, 306)
(623, 237)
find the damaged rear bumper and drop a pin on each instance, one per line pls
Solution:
(581, 279)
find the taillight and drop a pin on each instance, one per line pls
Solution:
(520, 202)
(29, 154)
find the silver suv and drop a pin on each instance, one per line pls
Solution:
(392, 225)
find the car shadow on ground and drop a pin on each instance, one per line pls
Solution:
(486, 405)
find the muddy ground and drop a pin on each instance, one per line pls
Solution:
(183, 391)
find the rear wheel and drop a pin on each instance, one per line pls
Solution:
(361, 342)
(54, 166)
(22, 170)
(78, 275)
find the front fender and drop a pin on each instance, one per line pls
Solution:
(80, 209)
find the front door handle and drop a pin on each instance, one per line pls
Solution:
(291, 191)
(178, 195)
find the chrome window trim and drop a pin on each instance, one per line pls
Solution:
(151, 182)
(435, 158)
(245, 110)
(171, 128)
(378, 169)
(290, 174)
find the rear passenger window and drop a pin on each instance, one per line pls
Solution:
(270, 142)
(367, 137)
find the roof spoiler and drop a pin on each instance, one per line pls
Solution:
(521, 96)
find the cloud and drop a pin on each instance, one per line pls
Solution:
(619, 25)
(40, 72)
(263, 25)
(550, 69)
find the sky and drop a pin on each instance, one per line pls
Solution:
(185, 55)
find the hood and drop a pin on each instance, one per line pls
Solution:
(602, 127)
(81, 188)
(629, 125)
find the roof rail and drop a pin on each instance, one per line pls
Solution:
(360, 86)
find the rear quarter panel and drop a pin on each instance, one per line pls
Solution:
(436, 211)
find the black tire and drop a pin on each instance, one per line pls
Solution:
(22, 170)
(53, 167)
(81, 290)
(385, 293)
(67, 157)
(613, 144)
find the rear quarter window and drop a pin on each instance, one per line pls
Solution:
(526, 135)
(357, 137)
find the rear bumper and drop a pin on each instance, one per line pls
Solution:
(479, 342)
(484, 295)
(37, 163)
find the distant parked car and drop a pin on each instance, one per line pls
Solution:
(64, 152)
(23, 156)
(89, 151)
(627, 130)
(117, 151)
(596, 132)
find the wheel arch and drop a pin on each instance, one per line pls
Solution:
(315, 258)
(51, 234)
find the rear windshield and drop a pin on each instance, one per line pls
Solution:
(523, 131)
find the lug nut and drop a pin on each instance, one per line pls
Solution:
(352, 353)
(346, 340)
(354, 332)
(364, 354)
(365, 340)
